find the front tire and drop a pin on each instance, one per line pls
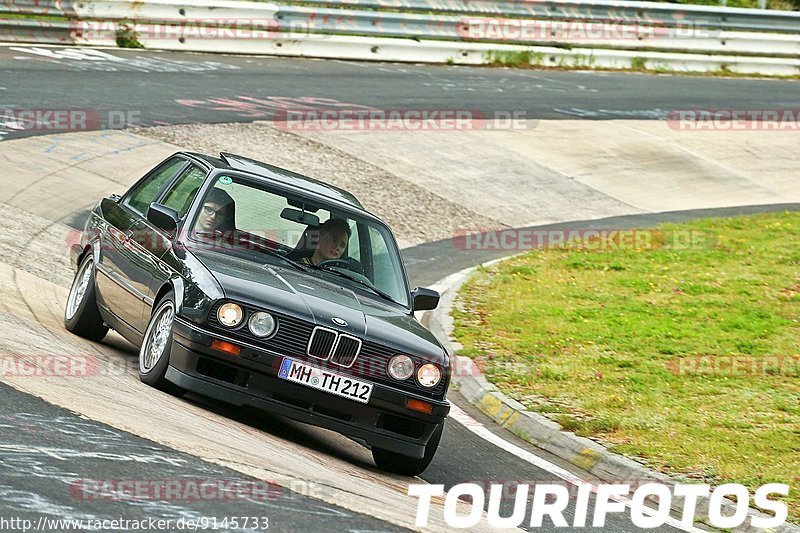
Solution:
(157, 345)
(81, 315)
(405, 465)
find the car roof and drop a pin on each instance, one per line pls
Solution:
(260, 169)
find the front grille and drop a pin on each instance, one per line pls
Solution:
(346, 350)
(321, 343)
(368, 360)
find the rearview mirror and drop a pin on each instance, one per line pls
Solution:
(164, 218)
(302, 205)
(295, 215)
(424, 299)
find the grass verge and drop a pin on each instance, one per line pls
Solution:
(25, 16)
(683, 352)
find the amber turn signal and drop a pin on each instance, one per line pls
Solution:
(226, 347)
(419, 405)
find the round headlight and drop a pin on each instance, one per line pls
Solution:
(401, 367)
(429, 375)
(230, 315)
(261, 324)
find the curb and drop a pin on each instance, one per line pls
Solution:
(542, 432)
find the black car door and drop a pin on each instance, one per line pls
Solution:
(178, 196)
(124, 265)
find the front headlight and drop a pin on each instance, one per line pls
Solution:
(429, 375)
(401, 367)
(230, 315)
(261, 324)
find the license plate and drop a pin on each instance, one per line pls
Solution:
(324, 380)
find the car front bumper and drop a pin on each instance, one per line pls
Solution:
(251, 378)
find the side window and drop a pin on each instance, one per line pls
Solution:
(181, 193)
(146, 192)
(384, 264)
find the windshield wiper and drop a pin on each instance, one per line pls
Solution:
(361, 282)
(285, 259)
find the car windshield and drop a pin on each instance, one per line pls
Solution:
(259, 223)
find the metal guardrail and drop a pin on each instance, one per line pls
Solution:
(603, 34)
(668, 36)
(647, 13)
(36, 7)
(174, 11)
(35, 31)
(97, 21)
(164, 10)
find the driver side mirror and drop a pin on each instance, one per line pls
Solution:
(164, 218)
(424, 299)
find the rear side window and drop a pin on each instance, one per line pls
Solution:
(147, 191)
(181, 193)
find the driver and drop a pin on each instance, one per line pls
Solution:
(334, 234)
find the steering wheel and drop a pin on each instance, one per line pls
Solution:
(339, 263)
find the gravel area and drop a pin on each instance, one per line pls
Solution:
(415, 214)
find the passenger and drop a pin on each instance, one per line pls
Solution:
(334, 235)
(217, 213)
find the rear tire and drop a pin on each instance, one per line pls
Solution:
(157, 345)
(81, 315)
(404, 465)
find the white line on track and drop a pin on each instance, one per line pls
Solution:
(481, 431)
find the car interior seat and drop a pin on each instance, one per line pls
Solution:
(227, 215)
(306, 245)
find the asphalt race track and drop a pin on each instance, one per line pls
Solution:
(171, 88)
(44, 449)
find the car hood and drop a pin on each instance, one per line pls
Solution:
(317, 300)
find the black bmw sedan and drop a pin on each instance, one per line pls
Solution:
(258, 286)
